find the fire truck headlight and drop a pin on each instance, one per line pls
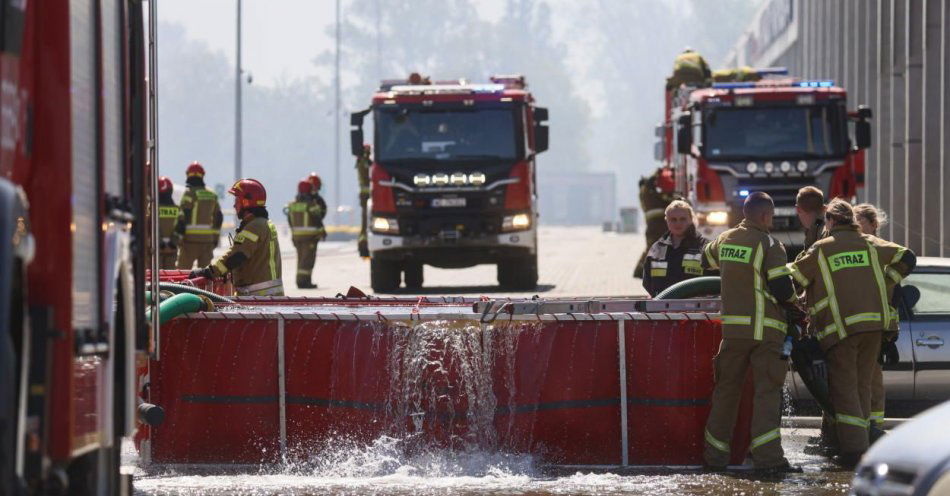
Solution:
(786, 166)
(422, 180)
(477, 178)
(458, 179)
(717, 218)
(752, 167)
(802, 166)
(516, 222)
(769, 167)
(384, 225)
(440, 179)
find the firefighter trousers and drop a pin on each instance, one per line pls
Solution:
(168, 259)
(190, 252)
(306, 256)
(768, 375)
(851, 363)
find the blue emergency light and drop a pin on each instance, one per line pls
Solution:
(732, 86)
(743, 193)
(815, 84)
(772, 71)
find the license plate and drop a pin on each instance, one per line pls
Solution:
(785, 212)
(448, 202)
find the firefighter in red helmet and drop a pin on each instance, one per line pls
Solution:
(305, 215)
(199, 222)
(168, 236)
(254, 257)
(656, 193)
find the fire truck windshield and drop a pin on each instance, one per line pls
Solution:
(775, 132)
(455, 134)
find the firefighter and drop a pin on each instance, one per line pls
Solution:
(844, 275)
(810, 207)
(656, 193)
(689, 67)
(363, 163)
(739, 74)
(305, 216)
(167, 220)
(199, 221)
(254, 257)
(870, 219)
(676, 256)
(755, 282)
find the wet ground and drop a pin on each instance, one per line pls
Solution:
(381, 469)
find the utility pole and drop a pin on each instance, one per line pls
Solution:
(336, 119)
(237, 100)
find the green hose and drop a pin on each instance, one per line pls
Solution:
(692, 288)
(179, 304)
(181, 288)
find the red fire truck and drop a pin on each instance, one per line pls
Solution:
(774, 135)
(72, 194)
(453, 178)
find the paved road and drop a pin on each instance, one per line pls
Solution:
(573, 261)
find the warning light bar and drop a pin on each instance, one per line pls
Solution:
(815, 84)
(772, 71)
(732, 86)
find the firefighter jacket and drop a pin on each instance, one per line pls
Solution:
(362, 174)
(168, 213)
(749, 261)
(253, 259)
(689, 68)
(654, 204)
(201, 218)
(305, 216)
(667, 265)
(846, 279)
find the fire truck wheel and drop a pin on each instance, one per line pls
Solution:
(519, 274)
(413, 275)
(384, 275)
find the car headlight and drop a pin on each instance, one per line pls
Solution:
(385, 225)
(516, 222)
(717, 218)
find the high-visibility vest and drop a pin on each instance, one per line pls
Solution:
(305, 219)
(199, 226)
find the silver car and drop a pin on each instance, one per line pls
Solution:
(921, 376)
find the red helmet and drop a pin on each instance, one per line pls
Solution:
(164, 185)
(250, 193)
(315, 181)
(665, 181)
(304, 187)
(367, 147)
(195, 169)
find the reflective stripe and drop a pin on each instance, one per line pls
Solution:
(779, 272)
(832, 300)
(719, 445)
(899, 255)
(850, 420)
(222, 269)
(658, 272)
(303, 272)
(200, 231)
(167, 212)
(775, 324)
(758, 326)
(311, 229)
(272, 252)
(894, 275)
(250, 288)
(829, 330)
(769, 436)
(248, 235)
(799, 277)
(863, 317)
(654, 213)
(877, 417)
(709, 257)
(881, 287)
(736, 319)
(821, 305)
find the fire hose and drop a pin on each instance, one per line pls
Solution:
(183, 288)
(181, 304)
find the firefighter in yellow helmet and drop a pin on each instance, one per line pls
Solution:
(755, 287)
(689, 67)
(168, 237)
(363, 163)
(254, 258)
(199, 222)
(305, 215)
(845, 276)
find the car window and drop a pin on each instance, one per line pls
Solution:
(934, 292)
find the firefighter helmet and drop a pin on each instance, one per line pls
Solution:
(315, 181)
(195, 170)
(304, 187)
(164, 185)
(664, 180)
(249, 193)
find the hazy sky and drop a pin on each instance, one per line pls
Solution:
(280, 37)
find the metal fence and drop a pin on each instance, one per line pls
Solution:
(893, 55)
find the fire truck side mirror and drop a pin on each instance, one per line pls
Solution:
(864, 112)
(862, 134)
(540, 130)
(356, 133)
(684, 135)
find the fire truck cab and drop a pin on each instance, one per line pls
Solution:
(774, 135)
(453, 178)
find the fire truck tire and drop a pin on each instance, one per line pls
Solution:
(384, 275)
(412, 275)
(519, 274)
